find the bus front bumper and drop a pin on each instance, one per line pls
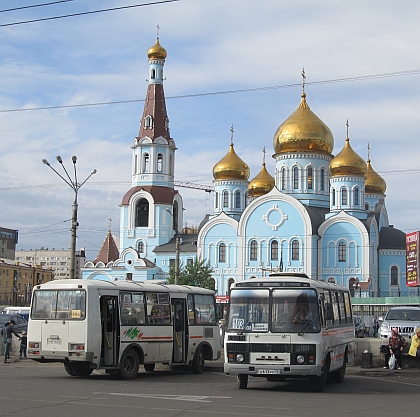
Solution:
(288, 371)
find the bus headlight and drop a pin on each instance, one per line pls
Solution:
(300, 359)
(240, 357)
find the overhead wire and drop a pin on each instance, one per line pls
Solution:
(42, 19)
(34, 5)
(214, 93)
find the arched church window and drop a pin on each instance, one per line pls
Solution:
(356, 196)
(142, 213)
(322, 179)
(153, 74)
(146, 160)
(333, 196)
(394, 275)
(295, 178)
(216, 200)
(171, 168)
(140, 247)
(283, 178)
(253, 248)
(222, 252)
(343, 197)
(310, 178)
(148, 122)
(135, 164)
(342, 252)
(159, 162)
(295, 250)
(175, 217)
(225, 199)
(237, 199)
(367, 206)
(274, 250)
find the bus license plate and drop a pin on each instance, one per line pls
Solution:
(269, 371)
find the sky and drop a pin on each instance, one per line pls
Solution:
(251, 53)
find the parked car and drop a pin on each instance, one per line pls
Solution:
(405, 319)
(20, 323)
(359, 326)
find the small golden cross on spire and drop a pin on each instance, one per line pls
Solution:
(264, 151)
(303, 80)
(157, 34)
(110, 221)
(231, 136)
(347, 128)
(368, 151)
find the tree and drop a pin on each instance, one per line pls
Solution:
(197, 274)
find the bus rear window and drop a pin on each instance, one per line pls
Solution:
(63, 304)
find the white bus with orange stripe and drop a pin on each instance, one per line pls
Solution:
(289, 326)
(120, 325)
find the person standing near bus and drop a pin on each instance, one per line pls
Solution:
(23, 345)
(415, 344)
(396, 345)
(212, 314)
(375, 325)
(7, 332)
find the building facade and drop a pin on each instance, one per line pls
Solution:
(8, 242)
(319, 214)
(56, 260)
(17, 281)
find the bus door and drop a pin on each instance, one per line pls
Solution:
(180, 344)
(110, 330)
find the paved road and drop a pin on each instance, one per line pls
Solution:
(31, 389)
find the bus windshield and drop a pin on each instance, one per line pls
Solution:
(292, 310)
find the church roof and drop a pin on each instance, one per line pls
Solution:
(317, 216)
(391, 238)
(188, 244)
(108, 252)
(161, 195)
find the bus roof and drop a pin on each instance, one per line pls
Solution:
(121, 285)
(289, 280)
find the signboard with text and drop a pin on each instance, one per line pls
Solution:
(412, 256)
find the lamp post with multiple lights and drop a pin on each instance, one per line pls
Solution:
(75, 185)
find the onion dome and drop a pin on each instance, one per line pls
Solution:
(347, 162)
(156, 51)
(262, 184)
(303, 131)
(231, 167)
(374, 184)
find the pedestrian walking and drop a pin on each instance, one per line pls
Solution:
(375, 325)
(7, 331)
(23, 345)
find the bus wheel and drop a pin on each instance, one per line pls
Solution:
(69, 369)
(149, 367)
(198, 362)
(339, 374)
(129, 366)
(81, 369)
(318, 382)
(242, 381)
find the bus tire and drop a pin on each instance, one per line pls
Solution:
(149, 367)
(340, 374)
(81, 369)
(318, 382)
(69, 369)
(129, 366)
(242, 381)
(198, 361)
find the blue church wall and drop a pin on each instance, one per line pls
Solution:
(392, 279)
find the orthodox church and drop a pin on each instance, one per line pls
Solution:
(320, 214)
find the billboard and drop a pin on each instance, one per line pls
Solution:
(412, 259)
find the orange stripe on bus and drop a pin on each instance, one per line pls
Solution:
(196, 337)
(157, 338)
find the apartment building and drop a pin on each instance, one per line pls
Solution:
(8, 241)
(57, 260)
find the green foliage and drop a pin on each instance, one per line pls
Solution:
(196, 274)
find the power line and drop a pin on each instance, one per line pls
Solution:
(34, 5)
(214, 93)
(91, 12)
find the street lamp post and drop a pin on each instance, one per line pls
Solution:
(75, 185)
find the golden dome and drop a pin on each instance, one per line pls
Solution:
(262, 184)
(347, 162)
(156, 51)
(303, 131)
(231, 167)
(374, 184)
